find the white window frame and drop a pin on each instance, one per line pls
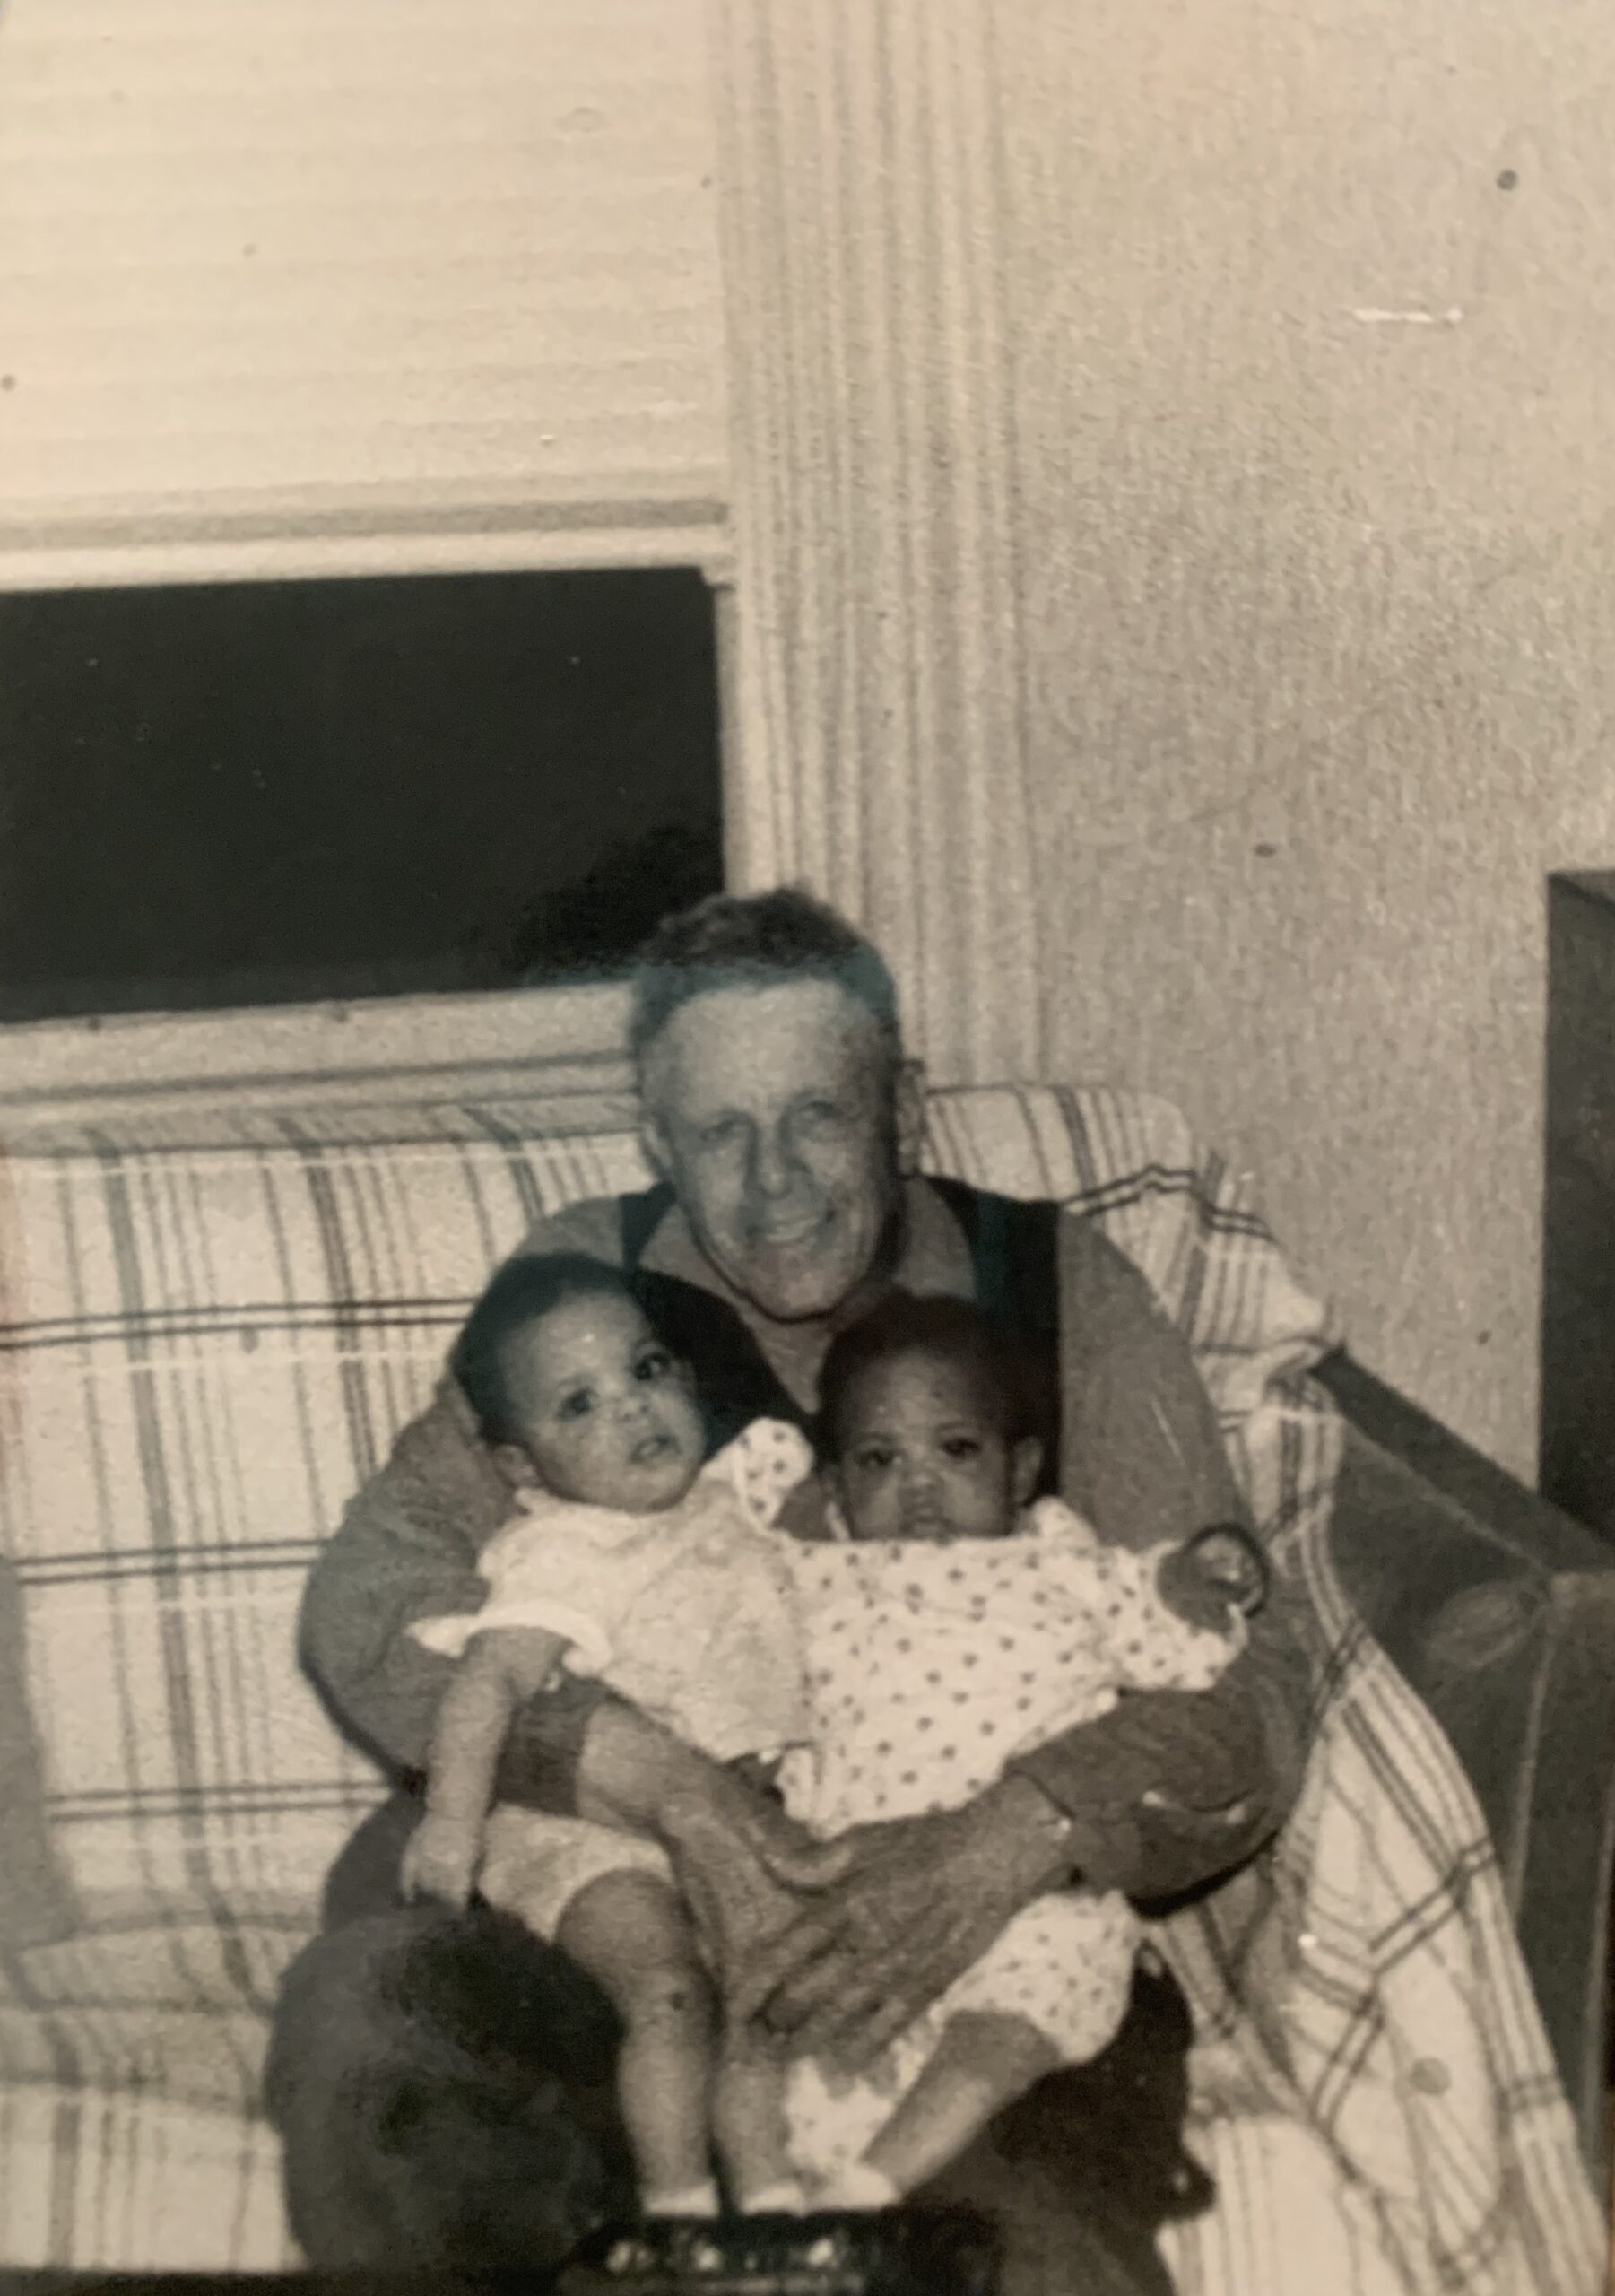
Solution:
(565, 1041)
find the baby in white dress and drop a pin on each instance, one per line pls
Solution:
(628, 1558)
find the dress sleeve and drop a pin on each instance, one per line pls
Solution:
(1149, 1645)
(764, 1464)
(561, 1567)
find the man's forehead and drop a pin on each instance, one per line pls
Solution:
(791, 1033)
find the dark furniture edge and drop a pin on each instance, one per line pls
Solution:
(1501, 1506)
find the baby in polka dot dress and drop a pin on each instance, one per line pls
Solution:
(957, 1628)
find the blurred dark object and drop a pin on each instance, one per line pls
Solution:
(586, 928)
(904, 2252)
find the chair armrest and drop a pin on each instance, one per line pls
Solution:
(1501, 1508)
(1567, 1885)
(1500, 1613)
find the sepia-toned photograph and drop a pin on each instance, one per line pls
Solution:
(807, 1147)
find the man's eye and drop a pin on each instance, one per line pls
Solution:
(576, 1405)
(720, 1132)
(821, 1115)
(656, 1363)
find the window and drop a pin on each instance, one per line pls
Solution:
(257, 794)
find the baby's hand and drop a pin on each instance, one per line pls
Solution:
(1215, 1575)
(441, 1860)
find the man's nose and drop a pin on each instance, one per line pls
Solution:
(773, 1166)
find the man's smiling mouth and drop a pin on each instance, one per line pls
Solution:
(784, 1238)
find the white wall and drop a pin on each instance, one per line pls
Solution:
(1323, 605)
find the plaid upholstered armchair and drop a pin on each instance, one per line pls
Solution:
(1501, 1611)
(214, 1323)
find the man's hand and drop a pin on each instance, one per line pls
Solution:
(898, 1911)
(730, 1849)
(718, 1831)
(441, 1860)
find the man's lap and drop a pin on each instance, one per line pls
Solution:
(444, 2086)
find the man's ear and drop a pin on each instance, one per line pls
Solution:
(516, 1469)
(1026, 1464)
(908, 1110)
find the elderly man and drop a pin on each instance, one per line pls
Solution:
(443, 2080)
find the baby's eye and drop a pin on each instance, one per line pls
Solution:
(874, 1459)
(576, 1405)
(962, 1447)
(656, 1363)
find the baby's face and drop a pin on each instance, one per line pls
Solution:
(923, 1458)
(607, 1414)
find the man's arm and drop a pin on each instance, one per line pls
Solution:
(407, 1548)
(1174, 1787)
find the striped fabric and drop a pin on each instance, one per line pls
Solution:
(879, 671)
(206, 1351)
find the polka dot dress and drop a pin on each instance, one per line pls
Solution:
(930, 1667)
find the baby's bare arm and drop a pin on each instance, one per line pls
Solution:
(500, 1671)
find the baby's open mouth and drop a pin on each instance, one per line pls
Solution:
(652, 1447)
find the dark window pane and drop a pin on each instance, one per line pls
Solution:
(267, 792)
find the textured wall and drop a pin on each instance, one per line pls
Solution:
(1322, 605)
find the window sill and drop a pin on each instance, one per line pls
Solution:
(568, 1043)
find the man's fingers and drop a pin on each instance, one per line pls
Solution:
(859, 2049)
(850, 1994)
(860, 2004)
(839, 1979)
(809, 1865)
(778, 1968)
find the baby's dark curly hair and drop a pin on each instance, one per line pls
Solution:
(523, 1291)
(998, 1368)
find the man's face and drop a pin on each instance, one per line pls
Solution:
(775, 1112)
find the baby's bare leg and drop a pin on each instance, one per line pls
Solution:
(749, 2126)
(983, 2062)
(631, 1933)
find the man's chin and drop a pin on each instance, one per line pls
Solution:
(787, 1297)
(792, 1287)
